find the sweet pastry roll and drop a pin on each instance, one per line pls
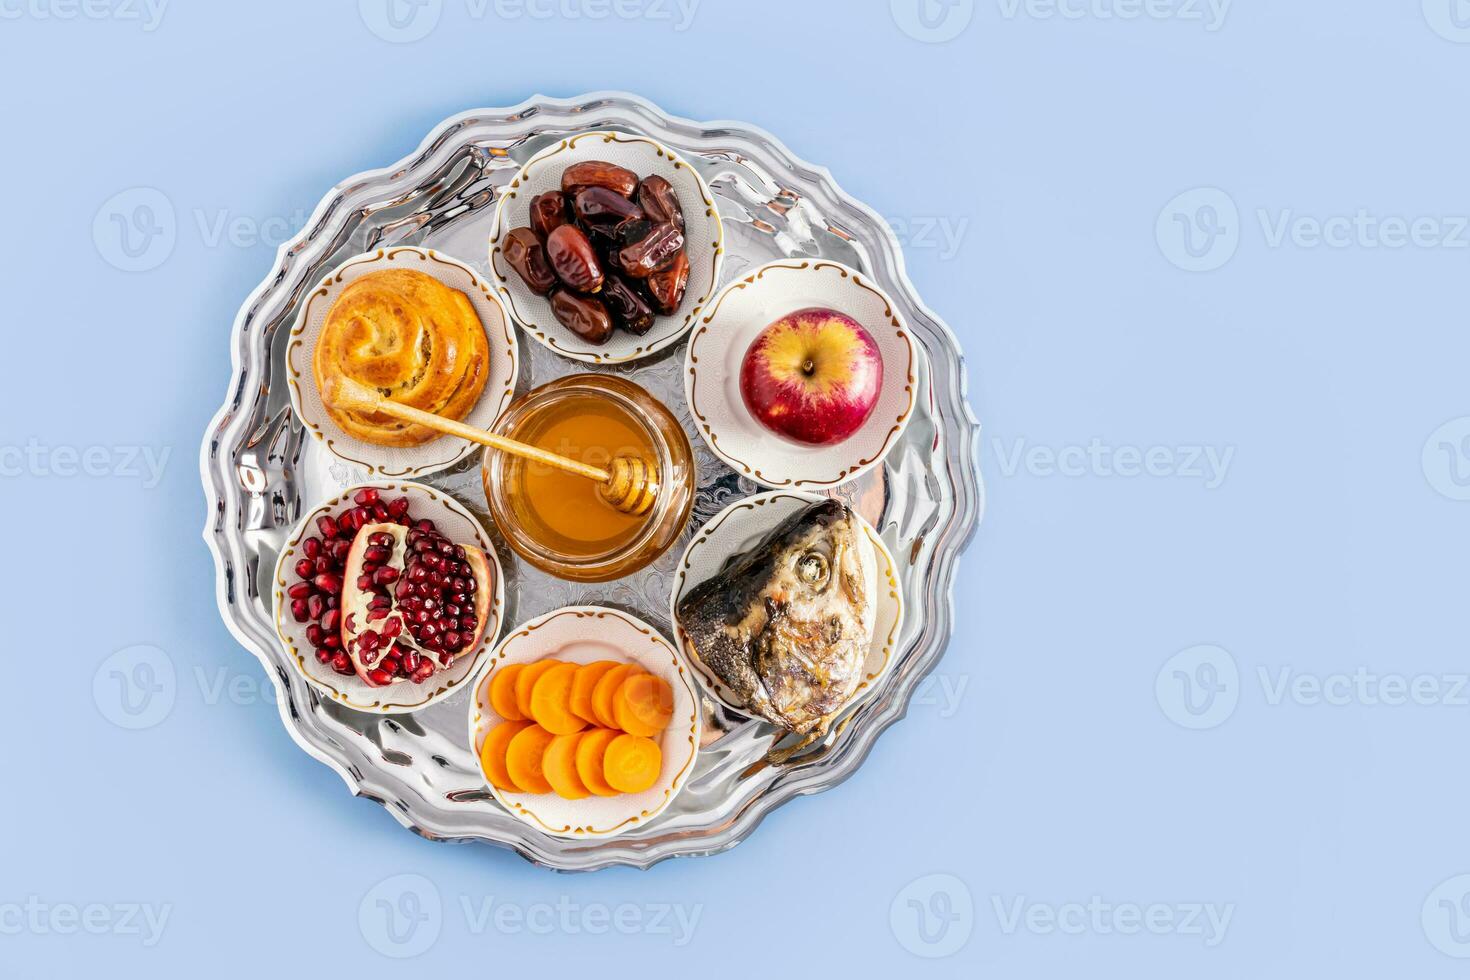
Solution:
(415, 340)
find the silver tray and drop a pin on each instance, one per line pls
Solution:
(260, 474)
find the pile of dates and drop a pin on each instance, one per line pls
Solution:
(607, 250)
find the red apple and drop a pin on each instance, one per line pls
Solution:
(812, 376)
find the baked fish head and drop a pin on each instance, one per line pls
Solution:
(787, 625)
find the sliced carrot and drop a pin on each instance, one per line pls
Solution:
(503, 692)
(590, 751)
(587, 677)
(492, 754)
(526, 680)
(603, 690)
(560, 766)
(551, 701)
(523, 759)
(643, 705)
(631, 763)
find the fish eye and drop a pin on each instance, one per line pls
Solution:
(812, 569)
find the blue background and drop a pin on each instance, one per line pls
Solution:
(1049, 147)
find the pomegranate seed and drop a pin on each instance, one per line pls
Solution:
(468, 624)
(333, 602)
(328, 582)
(314, 635)
(367, 495)
(342, 664)
(298, 610)
(332, 620)
(377, 554)
(328, 527)
(316, 605)
(380, 677)
(380, 511)
(305, 568)
(339, 549)
(390, 664)
(392, 628)
(332, 641)
(324, 656)
(323, 564)
(300, 590)
(410, 661)
(364, 582)
(452, 640)
(346, 522)
(426, 525)
(360, 516)
(398, 507)
(311, 547)
(403, 590)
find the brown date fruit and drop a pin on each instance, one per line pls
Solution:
(599, 173)
(522, 249)
(657, 199)
(584, 316)
(548, 212)
(600, 206)
(653, 251)
(667, 285)
(573, 259)
(630, 310)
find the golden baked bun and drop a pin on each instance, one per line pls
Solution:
(414, 339)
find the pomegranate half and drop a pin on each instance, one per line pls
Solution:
(412, 600)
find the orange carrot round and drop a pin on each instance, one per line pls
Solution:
(493, 752)
(631, 763)
(643, 705)
(590, 751)
(503, 692)
(560, 766)
(524, 759)
(526, 680)
(551, 701)
(602, 693)
(587, 677)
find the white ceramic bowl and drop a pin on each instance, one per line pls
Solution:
(455, 523)
(737, 315)
(583, 634)
(393, 462)
(703, 240)
(738, 528)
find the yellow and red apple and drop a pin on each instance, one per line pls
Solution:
(812, 376)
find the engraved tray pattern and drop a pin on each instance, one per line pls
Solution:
(261, 472)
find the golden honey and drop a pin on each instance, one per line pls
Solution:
(557, 520)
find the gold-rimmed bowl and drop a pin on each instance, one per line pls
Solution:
(703, 240)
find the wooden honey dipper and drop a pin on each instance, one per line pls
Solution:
(629, 484)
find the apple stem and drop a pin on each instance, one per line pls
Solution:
(808, 367)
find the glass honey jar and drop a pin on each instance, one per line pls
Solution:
(558, 521)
